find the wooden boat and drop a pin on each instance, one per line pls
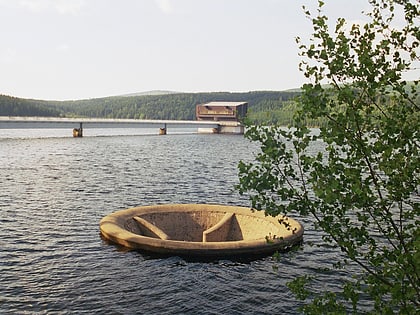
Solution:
(200, 230)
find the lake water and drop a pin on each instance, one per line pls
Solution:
(55, 190)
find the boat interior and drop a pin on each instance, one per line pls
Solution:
(202, 226)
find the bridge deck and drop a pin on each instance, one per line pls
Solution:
(7, 122)
(78, 124)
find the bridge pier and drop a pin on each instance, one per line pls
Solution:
(224, 129)
(78, 132)
(162, 131)
(239, 129)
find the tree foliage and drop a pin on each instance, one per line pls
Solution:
(13, 106)
(362, 187)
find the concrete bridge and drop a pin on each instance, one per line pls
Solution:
(78, 124)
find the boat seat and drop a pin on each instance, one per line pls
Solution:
(149, 229)
(220, 231)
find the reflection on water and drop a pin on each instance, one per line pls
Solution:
(54, 191)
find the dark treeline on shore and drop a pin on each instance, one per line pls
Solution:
(274, 107)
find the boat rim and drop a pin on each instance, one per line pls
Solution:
(113, 228)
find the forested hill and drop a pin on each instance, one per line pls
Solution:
(13, 106)
(267, 106)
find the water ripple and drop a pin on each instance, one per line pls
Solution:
(54, 191)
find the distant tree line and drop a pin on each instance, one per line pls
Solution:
(13, 106)
(271, 107)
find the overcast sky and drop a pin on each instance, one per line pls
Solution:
(76, 49)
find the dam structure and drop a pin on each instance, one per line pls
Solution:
(227, 114)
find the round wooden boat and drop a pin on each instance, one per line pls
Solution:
(200, 230)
